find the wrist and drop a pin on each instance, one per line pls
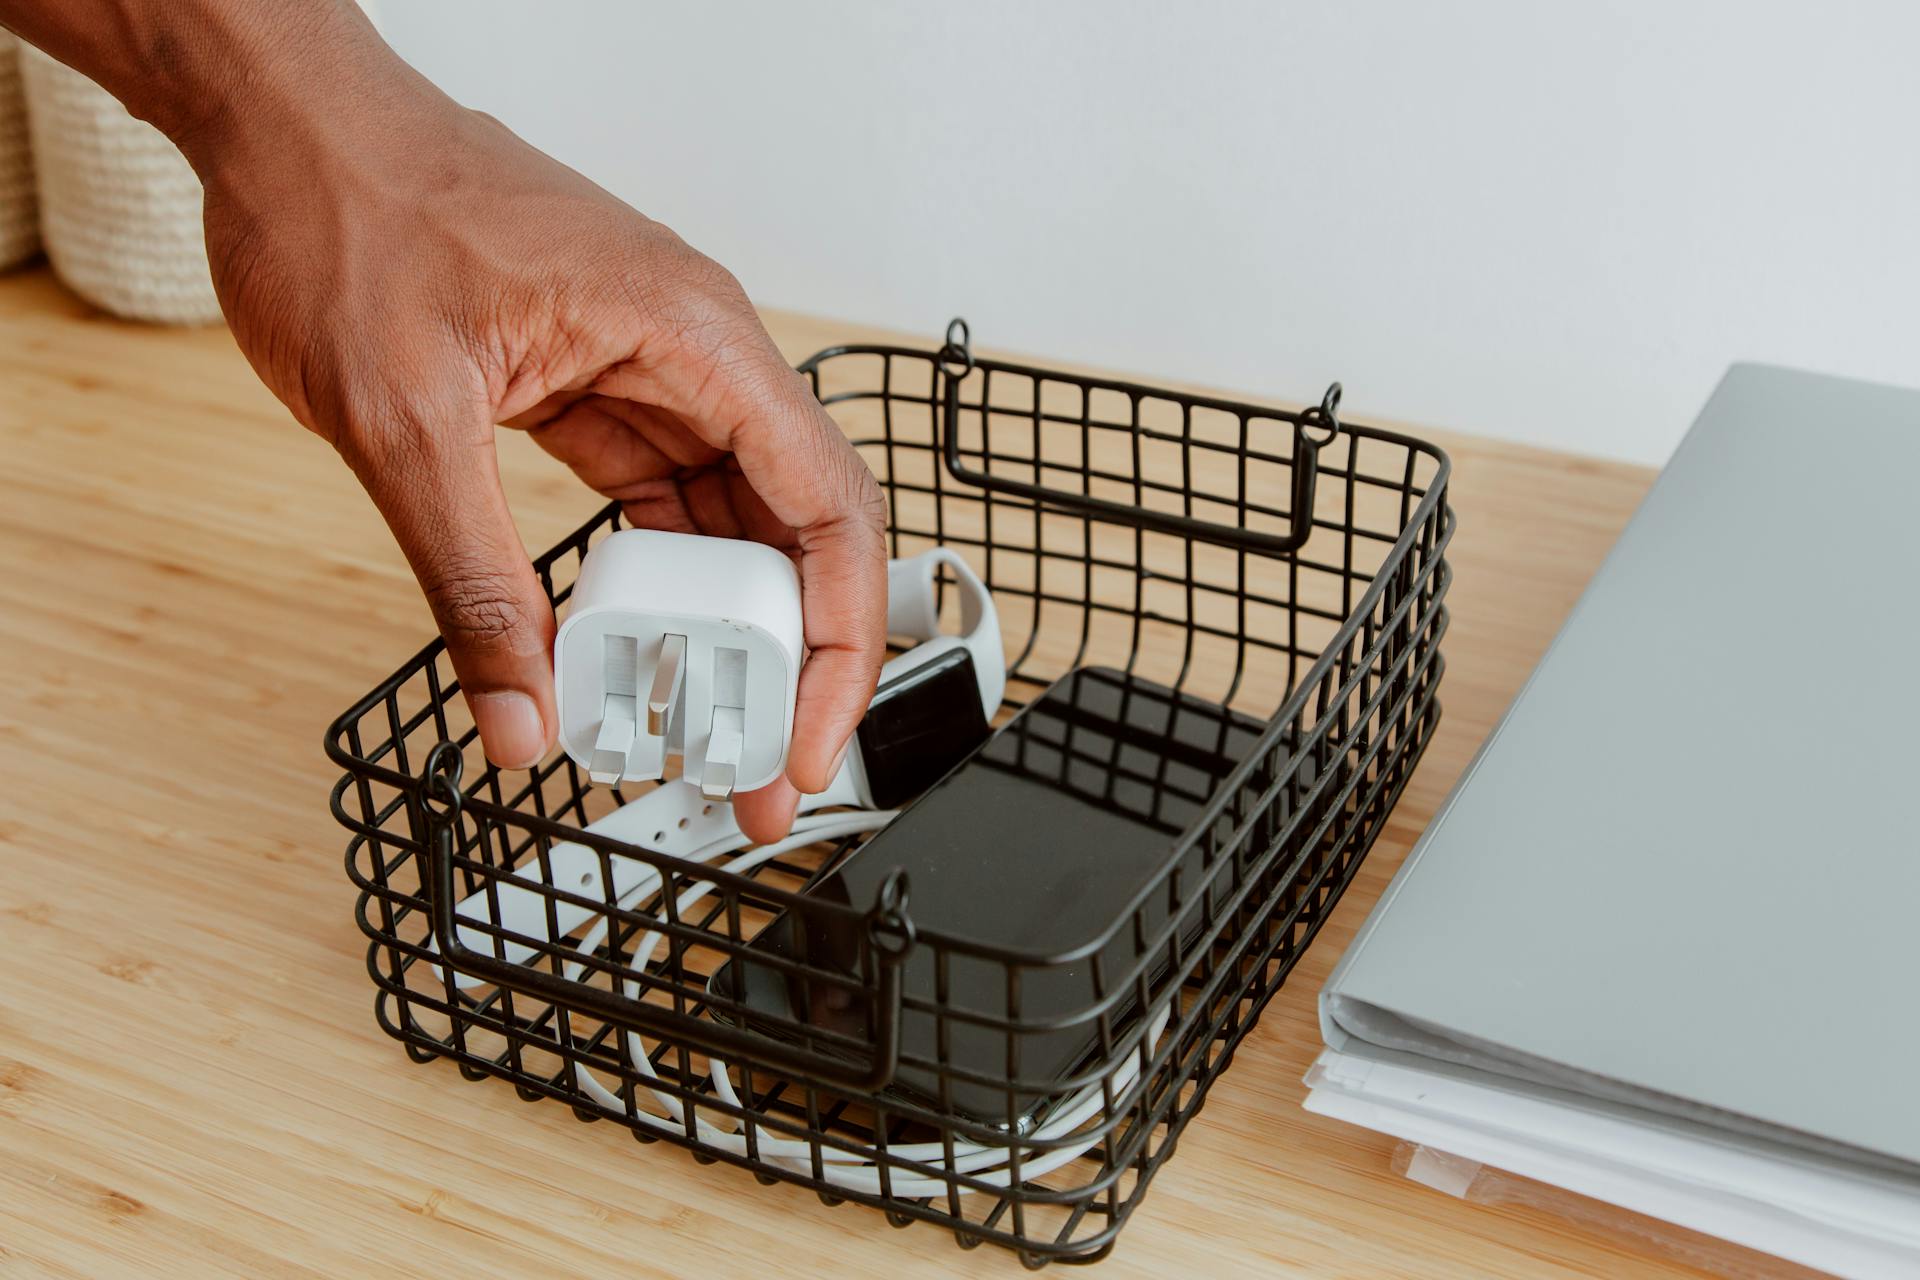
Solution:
(277, 80)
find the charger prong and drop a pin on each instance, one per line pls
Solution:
(610, 749)
(717, 782)
(669, 677)
(724, 743)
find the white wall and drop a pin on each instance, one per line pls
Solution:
(1549, 221)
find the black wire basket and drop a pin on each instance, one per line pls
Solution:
(1287, 566)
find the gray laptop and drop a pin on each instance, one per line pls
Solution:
(1684, 871)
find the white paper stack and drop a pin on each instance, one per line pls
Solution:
(1662, 945)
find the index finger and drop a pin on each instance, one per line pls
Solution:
(741, 395)
(807, 473)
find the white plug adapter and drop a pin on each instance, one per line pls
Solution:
(677, 645)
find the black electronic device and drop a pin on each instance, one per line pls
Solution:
(919, 725)
(1038, 843)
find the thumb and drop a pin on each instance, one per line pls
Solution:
(446, 509)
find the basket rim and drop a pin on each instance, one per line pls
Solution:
(1432, 500)
(1130, 387)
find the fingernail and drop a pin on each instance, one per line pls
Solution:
(511, 729)
(833, 770)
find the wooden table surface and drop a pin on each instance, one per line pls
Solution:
(191, 1080)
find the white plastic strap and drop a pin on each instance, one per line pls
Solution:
(913, 612)
(672, 818)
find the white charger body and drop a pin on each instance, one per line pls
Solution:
(680, 645)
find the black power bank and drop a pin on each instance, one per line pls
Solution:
(1036, 843)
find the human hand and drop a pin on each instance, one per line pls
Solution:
(405, 274)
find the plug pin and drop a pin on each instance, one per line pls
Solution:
(723, 753)
(669, 677)
(609, 761)
(717, 782)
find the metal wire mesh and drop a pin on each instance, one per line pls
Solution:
(1171, 537)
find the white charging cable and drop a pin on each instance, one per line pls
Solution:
(953, 681)
(990, 1163)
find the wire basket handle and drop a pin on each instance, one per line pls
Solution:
(890, 936)
(1315, 428)
(1323, 418)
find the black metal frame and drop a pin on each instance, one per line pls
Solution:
(1143, 517)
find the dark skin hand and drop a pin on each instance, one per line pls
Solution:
(405, 274)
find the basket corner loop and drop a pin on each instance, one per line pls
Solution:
(440, 793)
(890, 930)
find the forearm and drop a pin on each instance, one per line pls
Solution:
(205, 71)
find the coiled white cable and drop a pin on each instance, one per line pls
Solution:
(989, 1163)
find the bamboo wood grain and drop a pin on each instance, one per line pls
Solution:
(191, 1080)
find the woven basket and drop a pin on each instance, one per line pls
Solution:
(119, 205)
(19, 217)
